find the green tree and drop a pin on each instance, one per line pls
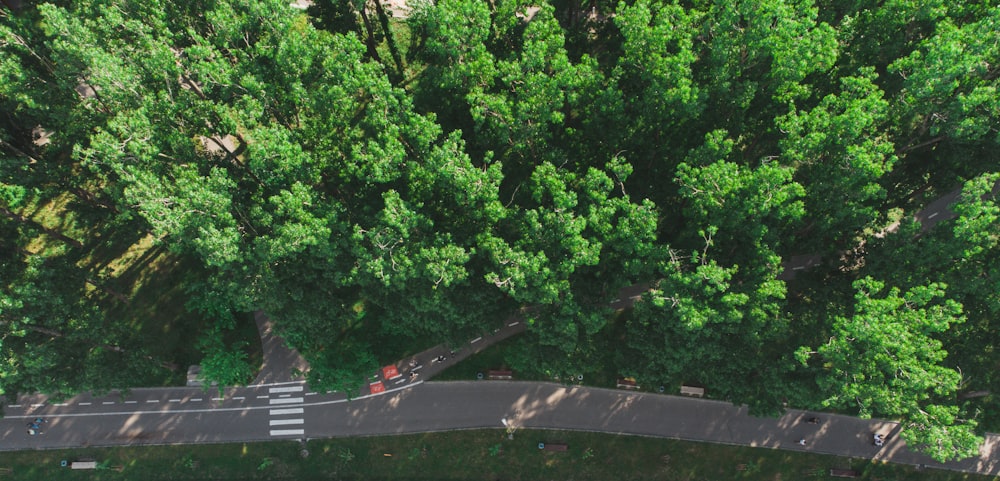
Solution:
(885, 359)
(839, 149)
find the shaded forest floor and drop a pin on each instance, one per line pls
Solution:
(133, 279)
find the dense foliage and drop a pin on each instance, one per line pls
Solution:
(361, 178)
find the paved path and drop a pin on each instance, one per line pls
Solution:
(280, 363)
(937, 211)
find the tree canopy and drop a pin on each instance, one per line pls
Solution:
(373, 181)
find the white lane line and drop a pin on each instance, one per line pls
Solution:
(131, 402)
(61, 404)
(86, 404)
(291, 400)
(197, 399)
(518, 322)
(311, 393)
(277, 384)
(476, 340)
(284, 395)
(239, 398)
(263, 397)
(798, 268)
(14, 405)
(933, 215)
(281, 412)
(107, 403)
(217, 399)
(37, 405)
(274, 390)
(286, 422)
(208, 410)
(152, 400)
(174, 400)
(287, 432)
(400, 381)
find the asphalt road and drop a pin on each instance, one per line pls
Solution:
(185, 416)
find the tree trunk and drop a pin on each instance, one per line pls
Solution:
(391, 41)
(370, 41)
(973, 394)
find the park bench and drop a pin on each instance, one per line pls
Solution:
(556, 447)
(500, 375)
(844, 473)
(625, 383)
(692, 391)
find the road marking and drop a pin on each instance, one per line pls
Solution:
(37, 405)
(208, 410)
(131, 402)
(197, 399)
(280, 412)
(284, 395)
(311, 393)
(291, 400)
(217, 399)
(152, 400)
(798, 268)
(175, 400)
(106, 403)
(239, 398)
(85, 404)
(518, 322)
(61, 404)
(277, 384)
(287, 432)
(476, 340)
(400, 381)
(274, 390)
(419, 367)
(286, 422)
(933, 215)
(263, 397)
(14, 406)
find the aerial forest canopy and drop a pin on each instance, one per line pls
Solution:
(376, 178)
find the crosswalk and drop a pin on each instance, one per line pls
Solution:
(283, 417)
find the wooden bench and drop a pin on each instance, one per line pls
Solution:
(692, 391)
(624, 383)
(499, 375)
(844, 473)
(556, 447)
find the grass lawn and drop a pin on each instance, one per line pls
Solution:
(462, 455)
